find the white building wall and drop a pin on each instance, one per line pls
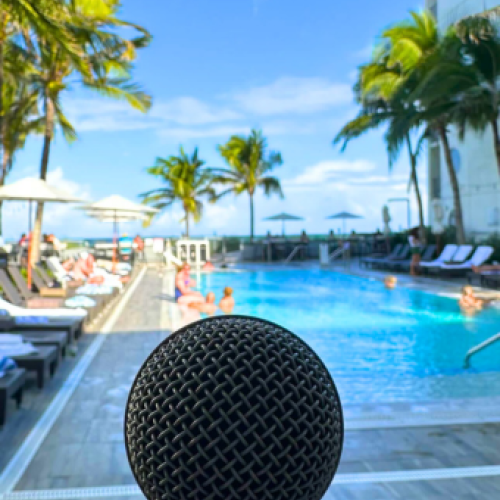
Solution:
(477, 172)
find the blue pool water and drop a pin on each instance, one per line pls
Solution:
(380, 345)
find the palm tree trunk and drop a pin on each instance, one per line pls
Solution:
(3, 175)
(187, 224)
(454, 185)
(496, 139)
(251, 218)
(414, 179)
(44, 166)
(2, 47)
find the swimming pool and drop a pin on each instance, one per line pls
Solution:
(380, 345)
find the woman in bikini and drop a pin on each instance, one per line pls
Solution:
(183, 283)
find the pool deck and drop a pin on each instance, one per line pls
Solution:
(75, 448)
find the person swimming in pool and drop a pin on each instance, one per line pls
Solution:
(470, 303)
(390, 282)
(226, 304)
(208, 307)
(183, 285)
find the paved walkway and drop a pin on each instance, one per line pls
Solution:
(84, 449)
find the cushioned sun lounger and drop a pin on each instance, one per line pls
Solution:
(369, 261)
(446, 255)
(405, 252)
(31, 299)
(43, 361)
(37, 338)
(480, 256)
(427, 255)
(11, 386)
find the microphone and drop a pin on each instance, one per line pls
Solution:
(233, 408)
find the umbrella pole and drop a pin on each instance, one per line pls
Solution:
(115, 223)
(283, 228)
(29, 246)
(343, 224)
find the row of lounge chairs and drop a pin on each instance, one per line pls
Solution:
(36, 333)
(454, 260)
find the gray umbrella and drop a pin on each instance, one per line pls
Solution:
(344, 216)
(283, 217)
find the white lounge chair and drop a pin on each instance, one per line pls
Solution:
(446, 256)
(53, 314)
(480, 256)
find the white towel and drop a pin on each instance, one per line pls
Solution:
(17, 349)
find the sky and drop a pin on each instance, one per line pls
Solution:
(221, 67)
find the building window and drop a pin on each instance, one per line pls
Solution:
(435, 171)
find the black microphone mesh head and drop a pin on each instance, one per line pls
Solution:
(233, 408)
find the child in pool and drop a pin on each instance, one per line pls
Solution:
(226, 304)
(390, 282)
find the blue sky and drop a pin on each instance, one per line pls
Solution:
(221, 67)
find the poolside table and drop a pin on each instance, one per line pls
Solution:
(11, 386)
(41, 362)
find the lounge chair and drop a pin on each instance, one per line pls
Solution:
(427, 255)
(62, 275)
(66, 320)
(369, 261)
(446, 256)
(11, 386)
(57, 339)
(31, 299)
(402, 256)
(44, 359)
(47, 280)
(461, 255)
(480, 256)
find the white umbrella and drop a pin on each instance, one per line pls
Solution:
(32, 189)
(117, 209)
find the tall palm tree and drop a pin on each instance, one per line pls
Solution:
(467, 76)
(23, 19)
(393, 112)
(186, 181)
(249, 167)
(107, 70)
(415, 48)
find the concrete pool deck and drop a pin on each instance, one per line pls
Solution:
(430, 450)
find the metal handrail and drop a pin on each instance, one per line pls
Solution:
(293, 253)
(341, 251)
(478, 348)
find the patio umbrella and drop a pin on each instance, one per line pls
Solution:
(32, 189)
(117, 209)
(344, 216)
(283, 217)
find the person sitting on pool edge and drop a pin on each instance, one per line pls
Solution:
(208, 307)
(390, 282)
(226, 304)
(183, 284)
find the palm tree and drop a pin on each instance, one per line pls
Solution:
(186, 180)
(249, 167)
(414, 49)
(468, 76)
(23, 19)
(106, 69)
(393, 112)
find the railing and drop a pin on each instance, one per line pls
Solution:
(480, 347)
(293, 253)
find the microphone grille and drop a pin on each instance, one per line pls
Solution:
(233, 408)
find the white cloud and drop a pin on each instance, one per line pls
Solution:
(186, 133)
(191, 111)
(327, 171)
(294, 95)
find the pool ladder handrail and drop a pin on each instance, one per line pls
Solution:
(479, 348)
